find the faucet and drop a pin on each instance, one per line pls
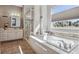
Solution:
(45, 36)
(64, 44)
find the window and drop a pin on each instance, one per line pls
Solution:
(66, 28)
(66, 23)
(61, 8)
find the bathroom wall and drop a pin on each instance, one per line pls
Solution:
(6, 11)
(44, 21)
(37, 14)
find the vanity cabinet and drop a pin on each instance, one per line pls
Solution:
(4, 35)
(11, 34)
(19, 34)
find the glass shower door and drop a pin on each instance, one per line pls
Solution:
(27, 28)
(28, 23)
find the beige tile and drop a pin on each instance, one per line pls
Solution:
(11, 47)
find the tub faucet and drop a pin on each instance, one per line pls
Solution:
(45, 36)
(64, 44)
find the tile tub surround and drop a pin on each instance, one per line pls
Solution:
(12, 47)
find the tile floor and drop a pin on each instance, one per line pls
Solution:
(12, 47)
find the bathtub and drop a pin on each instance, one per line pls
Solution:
(55, 44)
(62, 43)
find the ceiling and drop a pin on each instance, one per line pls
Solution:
(19, 5)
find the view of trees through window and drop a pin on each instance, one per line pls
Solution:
(65, 23)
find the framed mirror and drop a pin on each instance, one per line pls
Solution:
(15, 21)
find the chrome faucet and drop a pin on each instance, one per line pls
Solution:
(64, 44)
